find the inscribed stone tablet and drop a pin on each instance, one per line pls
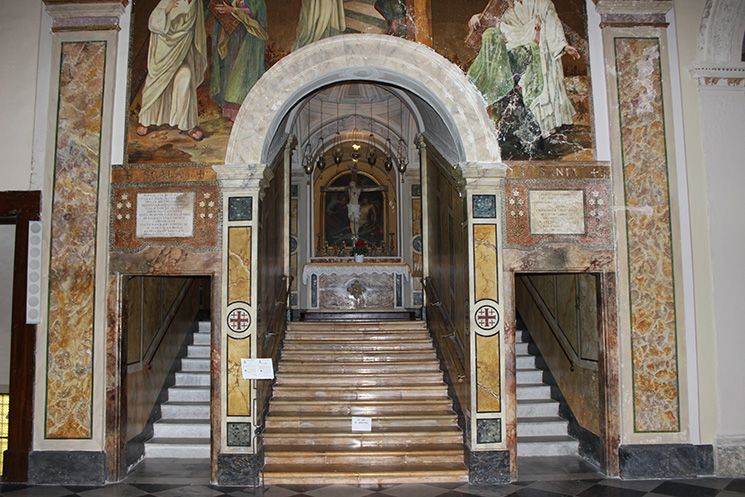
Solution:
(165, 215)
(557, 212)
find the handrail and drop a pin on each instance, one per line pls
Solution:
(165, 324)
(544, 311)
(279, 316)
(448, 347)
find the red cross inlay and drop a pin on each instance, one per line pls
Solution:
(487, 317)
(239, 320)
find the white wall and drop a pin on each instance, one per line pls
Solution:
(7, 244)
(723, 114)
(19, 45)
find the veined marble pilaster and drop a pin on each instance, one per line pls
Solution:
(488, 397)
(643, 168)
(72, 265)
(241, 188)
(69, 404)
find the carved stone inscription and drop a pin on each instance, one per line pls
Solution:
(165, 215)
(557, 212)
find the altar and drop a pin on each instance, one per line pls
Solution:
(347, 285)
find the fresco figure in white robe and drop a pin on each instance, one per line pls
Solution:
(176, 64)
(522, 44)
(319, 19)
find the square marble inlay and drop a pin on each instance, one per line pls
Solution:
(240, 208)
(484, 206)
(488, 431)
(416, 190)
(239, 434)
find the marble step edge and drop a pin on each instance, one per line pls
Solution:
(334, 451)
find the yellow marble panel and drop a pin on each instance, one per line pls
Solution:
(239, 390)
(485, 261)
(239, 265)
(488, 388)
(72, 264)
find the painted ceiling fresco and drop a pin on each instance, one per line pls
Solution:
(192, 62)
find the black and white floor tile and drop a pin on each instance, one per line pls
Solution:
(548, 478)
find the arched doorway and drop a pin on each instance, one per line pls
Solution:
(457, 159)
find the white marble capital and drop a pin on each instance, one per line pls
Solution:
(234, 177)
(85, 16)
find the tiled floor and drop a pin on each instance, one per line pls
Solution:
(539, 477)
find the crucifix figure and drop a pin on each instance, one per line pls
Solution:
(353, 191)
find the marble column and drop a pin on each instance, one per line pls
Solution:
(234, 407)
(648, 239)
(491, 434)
(70, 388)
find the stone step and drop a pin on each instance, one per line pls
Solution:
(367, 346)
(360, 475)
(533, 391)
(311, 380)
(182, 428)
(358, 408)
(527, 408)
(296, 392)
(525, 362)
(524, 376)
(546, 446)
(201, 339)
(358, 367)
(178, 448)
(204, 327)
(189, 394)
(521, 348)
(197, 351)
(354, 356)
(192, 379)
(195, 365)
(389, 438)
(541, 426)
(185, 410)
(302, 424)
(338, 335)
(357, 326)
(329, 455)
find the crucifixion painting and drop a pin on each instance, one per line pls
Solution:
(364, 203)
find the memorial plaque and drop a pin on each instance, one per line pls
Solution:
(557, 212)
(165, 215)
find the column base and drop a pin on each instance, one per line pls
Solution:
(239, 469)
(490, 467)
(67, 468)
(665, 461)
(730, 457)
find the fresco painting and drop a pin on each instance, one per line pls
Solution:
(194, 61)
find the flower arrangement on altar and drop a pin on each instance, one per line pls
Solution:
(359, 248)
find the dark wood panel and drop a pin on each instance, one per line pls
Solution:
(18, 208)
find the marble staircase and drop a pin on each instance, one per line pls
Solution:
(184, 428)
(387, 371)
(540, 429)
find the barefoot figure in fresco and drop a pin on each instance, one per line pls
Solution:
(520, 48)
(238, 46)
(176, 63)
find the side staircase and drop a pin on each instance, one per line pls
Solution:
(540, 429)
(184, 428)
(387, 371)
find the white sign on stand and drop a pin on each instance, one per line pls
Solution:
(361, 424)
(257, 369)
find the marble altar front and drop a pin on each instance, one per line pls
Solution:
(346, 285)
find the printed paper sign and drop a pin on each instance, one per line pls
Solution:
(361, 424)
(257, 369)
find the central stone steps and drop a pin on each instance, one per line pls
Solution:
(388, 372)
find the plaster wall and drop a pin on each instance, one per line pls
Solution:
(722, 111)
(688, 15)
(7, 243)
(19, 46)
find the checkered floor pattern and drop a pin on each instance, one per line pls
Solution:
(708, 487)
